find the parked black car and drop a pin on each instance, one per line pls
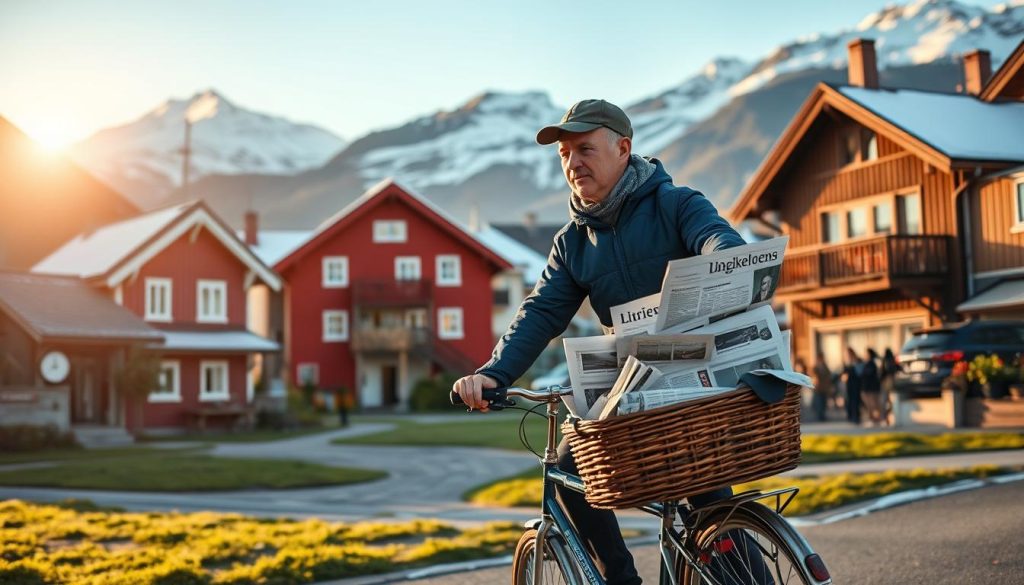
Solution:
(927, 358)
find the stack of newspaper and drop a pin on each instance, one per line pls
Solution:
(711, 323)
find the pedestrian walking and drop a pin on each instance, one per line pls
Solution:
(871, 387)
(851, 378)
(823, 388)
(889, 368)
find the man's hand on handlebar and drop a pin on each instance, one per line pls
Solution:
(470, 389)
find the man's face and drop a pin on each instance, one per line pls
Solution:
(766, 284)
(592, 162)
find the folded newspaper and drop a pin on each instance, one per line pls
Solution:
(711, 323)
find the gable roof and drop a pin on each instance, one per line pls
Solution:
(944, 130)
(537, 237)
(386, 190)
(53, 308)
(526, 259)
(1011, 73)
(115, 251)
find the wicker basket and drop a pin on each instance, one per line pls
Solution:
(685, 449)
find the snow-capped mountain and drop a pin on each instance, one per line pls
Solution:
(659, 120)
(711, 129)
(920, 32)
(490, 129)
(143, 159)
(499, 128)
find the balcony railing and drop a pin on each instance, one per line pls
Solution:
(895, 257)
(392, 293)
(390, 339)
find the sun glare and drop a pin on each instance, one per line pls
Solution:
(51, 137)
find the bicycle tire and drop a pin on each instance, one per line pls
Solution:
(560, 568)
(737, 546)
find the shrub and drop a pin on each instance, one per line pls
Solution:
(431, 394)
(25, 438)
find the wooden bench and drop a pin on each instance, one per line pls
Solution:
(238, 416)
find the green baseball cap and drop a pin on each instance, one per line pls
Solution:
(587, 115)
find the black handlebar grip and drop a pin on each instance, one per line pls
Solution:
(489, 394)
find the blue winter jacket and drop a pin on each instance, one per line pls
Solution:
(612, 264)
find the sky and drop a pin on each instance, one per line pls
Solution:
(71, 67)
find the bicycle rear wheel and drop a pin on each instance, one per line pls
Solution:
(750, 545)
(559, 567)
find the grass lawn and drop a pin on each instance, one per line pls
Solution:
(496, 430)
(253, 436)
(172, 471)
(85, 454)
(59, 544)
(816, 493)
(824, 448)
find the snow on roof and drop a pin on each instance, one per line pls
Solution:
(95, 253)
(961, 126)
(276, 244)
(216, 341)
(519, 255)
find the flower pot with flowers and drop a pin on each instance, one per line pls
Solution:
(991, 374)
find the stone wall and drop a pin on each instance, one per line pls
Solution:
(37, 406)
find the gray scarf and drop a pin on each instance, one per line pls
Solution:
(637, 172)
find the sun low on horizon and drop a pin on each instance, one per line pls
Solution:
(52, 136)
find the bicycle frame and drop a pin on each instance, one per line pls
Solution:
(673, 541)
(554, 518)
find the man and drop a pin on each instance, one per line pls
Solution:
(765, 292)
(627, 221)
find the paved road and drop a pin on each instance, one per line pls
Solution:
(421, 482)
(968, 538)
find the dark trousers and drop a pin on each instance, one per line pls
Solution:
(599, 529)
(853, 405)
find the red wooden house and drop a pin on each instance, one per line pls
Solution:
(186, 274)
(386, 292)
(896, 203)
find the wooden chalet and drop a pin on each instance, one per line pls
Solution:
(899, 204)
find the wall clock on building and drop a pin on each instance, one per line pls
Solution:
(54, 367)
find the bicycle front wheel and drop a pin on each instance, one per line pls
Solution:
(558, 567)
(750, 545)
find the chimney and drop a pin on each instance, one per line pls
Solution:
(252, 227)
(863, 67)
(977, 71)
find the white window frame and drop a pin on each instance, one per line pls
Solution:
(175, 391)
(313, 367)
(205, 395)
(216, 287)
(150, 313)
(1018, 209)
(329, 336)
(390, 231)
(342, 263)
(408, 261)
(456, 261)
(455, 333)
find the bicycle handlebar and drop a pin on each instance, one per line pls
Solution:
(500, 396)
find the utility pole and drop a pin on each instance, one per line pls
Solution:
(186, 152)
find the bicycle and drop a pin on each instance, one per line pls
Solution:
(735, 541)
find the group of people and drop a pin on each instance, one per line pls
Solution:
(864, 384)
